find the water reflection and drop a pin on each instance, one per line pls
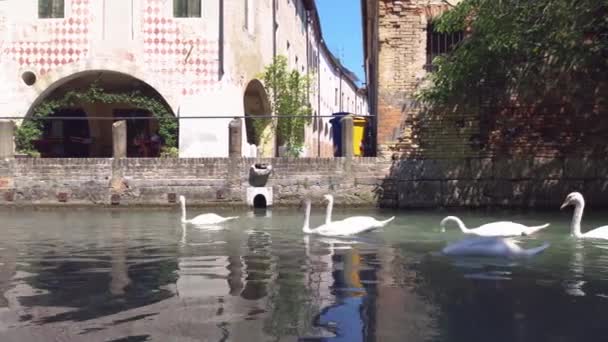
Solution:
(119, 275)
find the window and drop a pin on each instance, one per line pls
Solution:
(249, 15)
(187, 8)
(51, 9)
(439, 43)
(336, 97)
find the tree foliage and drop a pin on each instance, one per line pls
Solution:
(288, 92)
(523, 50)
(31, 129)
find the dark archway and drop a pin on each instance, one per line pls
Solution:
(259, 202)
(255, 103)
(79, 137)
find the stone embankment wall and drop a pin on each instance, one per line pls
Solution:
(204, 181)
(484, 182)
(407, 183)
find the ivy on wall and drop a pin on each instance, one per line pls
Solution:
(31, 129)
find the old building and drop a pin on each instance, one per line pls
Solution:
(198, 58)
(399, 46)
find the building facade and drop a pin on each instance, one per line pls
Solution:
(199, 58)
(398, 53)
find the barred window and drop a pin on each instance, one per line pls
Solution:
(187, 8)
(51, 9)
(439, 43)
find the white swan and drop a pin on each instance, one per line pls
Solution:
(353, 224)
(339, 228)
(204, 219)
(502, 228)
(578, 201)
(491, 247)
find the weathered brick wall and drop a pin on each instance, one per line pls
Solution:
(201, 180)
(553, 126)
(480, 182)
(407, 183)
(401, 60)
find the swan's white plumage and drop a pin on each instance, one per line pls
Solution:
(501, 228)
(203, 219)
(491, 247)
(576, 199)
(348, 226)
(351, 226)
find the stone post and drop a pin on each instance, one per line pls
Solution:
(119, 139)
(347, 136)
(235, 136)
(7, 132)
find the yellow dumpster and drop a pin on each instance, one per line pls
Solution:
(358, 134)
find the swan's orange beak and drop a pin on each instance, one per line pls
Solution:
(565, 204)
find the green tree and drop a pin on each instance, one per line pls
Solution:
(523, 50)
(288, 92)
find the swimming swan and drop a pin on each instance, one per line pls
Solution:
(350, 225)
(491, 247)
(578, 201)
(338, 228)
(203, 219)
(502, 228)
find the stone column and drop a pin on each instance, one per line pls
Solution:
(7, 132)
(119, 139)
(235, 136)
(347, 136)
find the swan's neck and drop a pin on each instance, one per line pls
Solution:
(575, 226)
(183, 204)
(330, 207)
(306, 227)
(458, 222)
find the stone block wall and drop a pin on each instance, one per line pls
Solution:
(204, 181)
(406, 183)
(483, 182)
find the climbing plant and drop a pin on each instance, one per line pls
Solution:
(527, 50)
(288, 91)
(31, 129)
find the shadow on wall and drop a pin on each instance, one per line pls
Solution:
(539, 182)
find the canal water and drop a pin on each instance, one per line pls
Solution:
(139, 275)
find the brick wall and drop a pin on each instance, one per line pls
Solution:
(205, 181)
(401, 61)
(481, 182)
(407, 183)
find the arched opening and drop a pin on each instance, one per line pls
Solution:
(258, 131)
(85, 116)
(259, 202)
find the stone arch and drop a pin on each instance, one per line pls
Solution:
(256, 102)
(47, 83)
(97, 133)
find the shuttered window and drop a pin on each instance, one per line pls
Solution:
(187, 8)
(51, 9)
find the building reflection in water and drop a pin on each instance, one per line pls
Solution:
(119, 274)
(350, 315)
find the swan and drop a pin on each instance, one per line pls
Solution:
(334, 229)
(362, 223)
(502, 228)
(577, 200)
(491, 247)
(204, 219)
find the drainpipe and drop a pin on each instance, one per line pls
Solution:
(340, 73)
(319, 95)
(221, 41)
(274, 55)
(274, 28)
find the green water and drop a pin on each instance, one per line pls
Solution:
(138, 275)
